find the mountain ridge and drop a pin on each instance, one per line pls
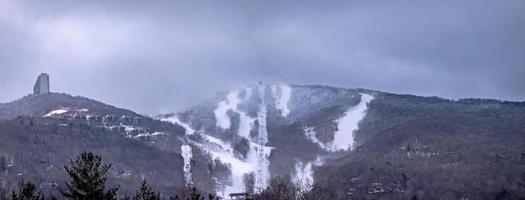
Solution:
(39, 105)
(239, 139)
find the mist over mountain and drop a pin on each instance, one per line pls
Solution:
(262, 100)
(182, 51)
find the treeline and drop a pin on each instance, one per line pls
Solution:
(87, 181)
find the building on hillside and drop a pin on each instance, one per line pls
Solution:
(240, 196)
(41, 85)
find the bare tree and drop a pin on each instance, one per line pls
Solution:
(316, 192)
(3, 191)
(26, 191)
(249, 183)
(283, 189)
(280, 188)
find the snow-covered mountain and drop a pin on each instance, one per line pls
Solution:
(355, 143)
(270, 130)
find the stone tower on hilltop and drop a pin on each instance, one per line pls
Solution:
(41, 85)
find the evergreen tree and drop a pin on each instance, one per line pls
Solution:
(3, 164)
(175, 198)
(3, 192)
(146, 192)
(502, 194)
(26, 191)
(193, 194)
(88, 179)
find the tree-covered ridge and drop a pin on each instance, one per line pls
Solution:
(406, 146)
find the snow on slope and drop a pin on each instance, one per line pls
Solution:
(310, 134)
(175, 120)
(231, 104)
(186, 156)
(304, 174)
(62, 111)
(149, 134)
(221, 113)
(219, 151)
(256, 160)
(282, 94)
(224, 152)
(56, 112)
(344, 136)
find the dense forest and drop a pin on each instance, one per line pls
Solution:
(87, 181)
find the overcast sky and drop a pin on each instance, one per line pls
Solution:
(161, 56)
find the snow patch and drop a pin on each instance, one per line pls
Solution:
(256, 161)
(344, 136)
(304, 174)
(149, 134)
(245, 125)
(224, 152)
(230, 104)
(129, 128)
(64, 110)
(310, 134)
(175, 120)
(186, 156)
(56, 112)
(247, 94)
(282, 94)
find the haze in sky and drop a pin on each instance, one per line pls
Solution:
(162, 56)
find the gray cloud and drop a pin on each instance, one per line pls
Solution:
(162, 56)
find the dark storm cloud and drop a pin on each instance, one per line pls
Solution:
(162, 56)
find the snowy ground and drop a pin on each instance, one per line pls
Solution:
(256, 161)
(344, 136)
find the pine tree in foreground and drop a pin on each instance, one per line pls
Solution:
(26, 191)
(88, 179)
(193, 194)
(146, 192)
